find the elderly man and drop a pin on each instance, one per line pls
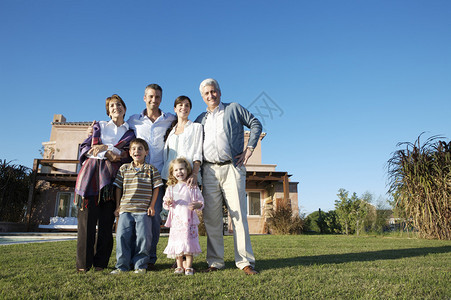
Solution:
(224, 175)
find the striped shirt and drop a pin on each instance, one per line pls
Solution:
(137, 187)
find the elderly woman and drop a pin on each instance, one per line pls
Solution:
(101, 155)
(184, 139)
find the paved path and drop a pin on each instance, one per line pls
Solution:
(10, 238)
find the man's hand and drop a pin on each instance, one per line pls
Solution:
(90, 130)
(116, 212)
(192, 181)
(243, 157)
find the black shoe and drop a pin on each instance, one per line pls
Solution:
(151, 267)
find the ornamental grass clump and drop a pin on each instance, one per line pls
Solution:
(282, 221)
(420, 180)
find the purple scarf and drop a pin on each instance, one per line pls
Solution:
(95, 174)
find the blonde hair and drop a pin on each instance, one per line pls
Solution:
(181, 160)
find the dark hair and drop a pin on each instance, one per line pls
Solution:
(140, 141)
(182, 98)
(154, 86)
(177, 101)
(113, 97)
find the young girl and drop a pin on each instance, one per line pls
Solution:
(181, 201)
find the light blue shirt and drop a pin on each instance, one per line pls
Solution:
(153, 133)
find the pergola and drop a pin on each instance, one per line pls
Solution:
(259, 178)
(51, 177)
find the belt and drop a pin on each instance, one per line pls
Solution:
(220, 163)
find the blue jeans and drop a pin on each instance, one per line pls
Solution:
(156, 224)
(133, 238)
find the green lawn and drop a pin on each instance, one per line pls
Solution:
(301, 267)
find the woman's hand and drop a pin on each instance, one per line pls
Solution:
(195, 205)
(96, 149)
(111, 156)
(90, 129)
(192, 181)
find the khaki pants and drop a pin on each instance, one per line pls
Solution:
(226, 182)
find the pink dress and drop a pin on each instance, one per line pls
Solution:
(183, 222)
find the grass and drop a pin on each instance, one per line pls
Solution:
(296, 267)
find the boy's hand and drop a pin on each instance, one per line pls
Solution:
(116, 212)
(151, 211)
(195, 205)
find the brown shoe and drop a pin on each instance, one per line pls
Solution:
(98, 269)
(209, 270)
(249, 270)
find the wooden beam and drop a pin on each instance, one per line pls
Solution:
(59, 161)
(286, 189)
(31, 191)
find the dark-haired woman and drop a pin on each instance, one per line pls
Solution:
(184, 139)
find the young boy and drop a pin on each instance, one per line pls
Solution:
(137, 185)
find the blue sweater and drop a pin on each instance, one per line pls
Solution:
(235, 117)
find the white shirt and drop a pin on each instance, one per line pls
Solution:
(216, 144)
(110, 135)
(188, 144)
(153, 133)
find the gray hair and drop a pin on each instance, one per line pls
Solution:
(209, 81)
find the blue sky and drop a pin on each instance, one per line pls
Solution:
(350, 79)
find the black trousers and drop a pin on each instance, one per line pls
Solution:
(92, 251)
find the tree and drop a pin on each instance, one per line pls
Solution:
(332, 223)
(14, 186)
(343, 209)
(352, 212)
(316, 222)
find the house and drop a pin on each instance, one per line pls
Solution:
(51, 196)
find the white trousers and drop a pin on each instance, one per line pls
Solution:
(226, 182)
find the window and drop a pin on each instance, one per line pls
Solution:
(65, 205)
(254, 203)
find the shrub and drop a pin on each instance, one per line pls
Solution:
(14, 185)
(282, 221)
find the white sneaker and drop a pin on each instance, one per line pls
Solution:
(189, 271)
(179, 271)
(116, 271)
(140, 271)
